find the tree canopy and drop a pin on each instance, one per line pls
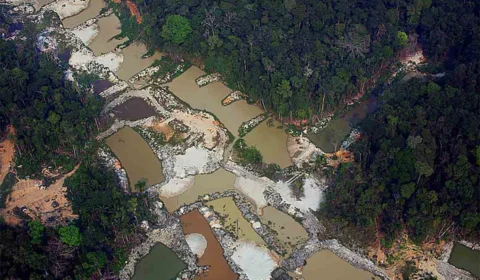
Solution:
(324, 52)
(417, 166)
(176, 29)
(70, 235)
(53, 121)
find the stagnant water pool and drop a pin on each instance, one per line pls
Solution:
(326, 265)
(136, 157)
(161, 263)
(194, 222)
(465, 258)
(330, 139)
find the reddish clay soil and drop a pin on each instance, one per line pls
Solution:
(134, 11)
(193, 222)
(39, 202)
(6, 154)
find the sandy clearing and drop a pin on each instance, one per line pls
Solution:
(192, 162)
(38, 202)
(164, 129)
(68, 8)
(255, 261)
(176, 186)
(253, 190)
(197, 243)
(87, 33)
(205, 124)
(81, 59)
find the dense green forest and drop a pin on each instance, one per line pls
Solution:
(299, 57)
(418, 166)
(96, 245)
(54, 123)
(53, 120)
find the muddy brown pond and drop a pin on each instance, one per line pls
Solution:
(194, 222)
(218, 181)
(234, 221)
(108, 27)
(136, 157)
(325, 265)
(269, 140)
(134, 109)
(160, 264)
(133, 61)
(288, 231)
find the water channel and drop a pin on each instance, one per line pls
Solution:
(160, 264)
(465, 258)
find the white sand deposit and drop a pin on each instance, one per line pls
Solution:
(84, 58)
(313, 194)
(87, 33)
(192, 162)
(197, 243)
(176, 186)
(255, 261)
(68, 8)
(252, 190)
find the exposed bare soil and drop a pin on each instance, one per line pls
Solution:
(6, 154)
(39, 203)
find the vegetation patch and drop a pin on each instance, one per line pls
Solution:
(6, 188)
(247, 154)
(249, 125)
